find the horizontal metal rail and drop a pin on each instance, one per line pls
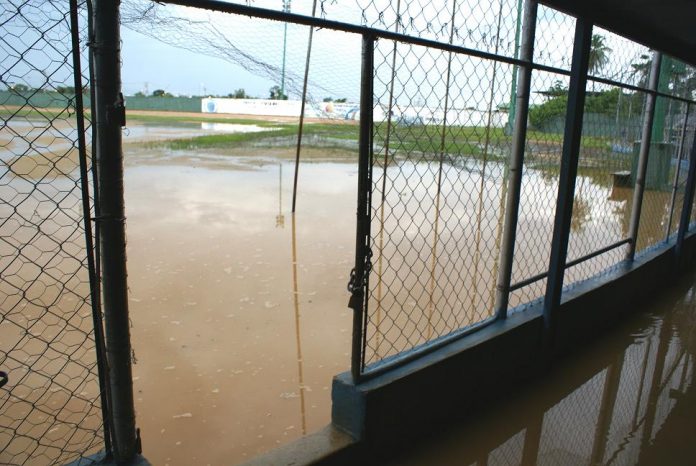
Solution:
(420, 351)
(294, 18)
(573, 263)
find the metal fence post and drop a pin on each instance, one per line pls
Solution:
(108, 119)
(644, 153)
(519, 137)
(677, 172)
(569, 168)
(99, 346)
(358, 285)
(685, 218)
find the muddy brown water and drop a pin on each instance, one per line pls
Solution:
(238, 308)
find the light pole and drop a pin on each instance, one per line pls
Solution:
(286, 9)
(513, 93)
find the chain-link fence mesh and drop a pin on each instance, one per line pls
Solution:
(50, 410)
(537, 202)
(439, 186)
(663, 160)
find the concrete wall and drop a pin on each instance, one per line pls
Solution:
(451, 383)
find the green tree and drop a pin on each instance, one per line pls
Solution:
(20, 88)
(65, 90)
(599, 53)
(239, 94)
(160, 93)
(277, 94)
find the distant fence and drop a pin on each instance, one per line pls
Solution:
(401, 114)
(53, 99)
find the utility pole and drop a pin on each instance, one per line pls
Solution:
(513, 91)
(286, 9)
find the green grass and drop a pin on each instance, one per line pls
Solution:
(426, 139)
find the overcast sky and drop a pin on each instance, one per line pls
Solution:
(241, 43)
(149, 64)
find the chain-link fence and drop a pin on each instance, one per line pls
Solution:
(50, 408)
(442, 144)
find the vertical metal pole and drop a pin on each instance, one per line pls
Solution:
(302, 109)
(512, 207)
(688, 204)
(677, 172)
(108, 119)
(95, 301)
(286, 9)
(359, 283)
(567, 177)
(643, 157)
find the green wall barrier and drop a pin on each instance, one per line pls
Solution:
(56, 100)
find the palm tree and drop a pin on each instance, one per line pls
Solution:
(599, 53)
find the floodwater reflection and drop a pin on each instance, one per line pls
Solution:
(239, 323)
(629, 399)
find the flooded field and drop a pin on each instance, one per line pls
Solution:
(629, 398)
(239, 322)
(239, 308)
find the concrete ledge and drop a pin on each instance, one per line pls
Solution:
(450, 384)
(328, 445)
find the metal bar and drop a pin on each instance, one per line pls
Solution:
(631, 87)
(387, 365)
(109, 118)
(95, 302)
(566, 183)
(359, 281)
(643, 156)
(95, 176)
(516, 164)
(685, 218)
(573, 263)
(223, 7)
(675, 184)
(596, 253)
(302, 109)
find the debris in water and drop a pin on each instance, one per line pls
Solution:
(179, 416)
